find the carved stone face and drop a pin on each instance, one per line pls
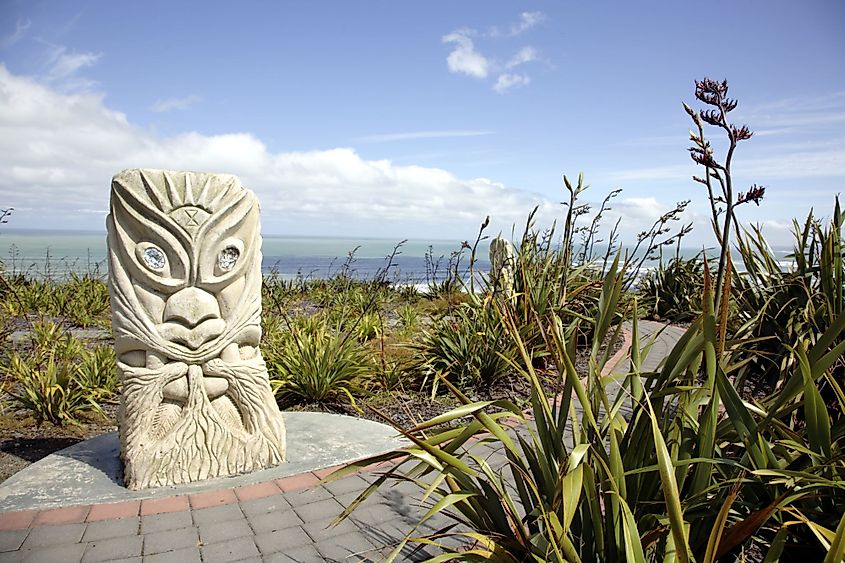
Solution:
(185, 281)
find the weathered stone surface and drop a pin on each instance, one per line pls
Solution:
(185, 284)
(502, 264)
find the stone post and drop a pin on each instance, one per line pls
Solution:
(502, 263)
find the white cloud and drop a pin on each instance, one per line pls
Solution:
(527, 20)
(816, 113)
(647, 209)
(63, 64)
(464, 58)
(413, 135)
(21, 27)
(59, 150)
(670, 172)
(169, 104)
(506, 81)
(800, 164)
(524, 55)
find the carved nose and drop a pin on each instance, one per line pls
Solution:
(190, 307)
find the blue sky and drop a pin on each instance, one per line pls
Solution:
(402, 119)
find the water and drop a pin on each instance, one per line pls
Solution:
(55, 254)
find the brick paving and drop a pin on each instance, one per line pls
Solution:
(286, 520)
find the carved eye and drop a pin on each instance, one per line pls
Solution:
(154, 258)
(228, 258)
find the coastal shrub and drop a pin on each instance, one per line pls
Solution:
(49, 389)
(276, 288)
(778, 306)
(314, 364)
(508, 513)
(47, 338)
(673, 291)
(368, 326)
(722, 195)
(46, 377)
(469, 349)
(98, 373)
(84, 300)
(20, 295)
(559, 272)
(408, 292)
(81, 299)
(653, 465)
(443, 277)
(409, 318)
(271, 326)
(445, 289)
(394, 365)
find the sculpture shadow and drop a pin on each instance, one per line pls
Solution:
(101, 453)
(33, 449)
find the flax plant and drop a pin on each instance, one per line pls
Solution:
(777, 306)
(55, 378)
(630, 466)
(722, 195)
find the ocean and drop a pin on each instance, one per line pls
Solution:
(56, 254)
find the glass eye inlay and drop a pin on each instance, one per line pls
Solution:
(154, 258)
(228, 258)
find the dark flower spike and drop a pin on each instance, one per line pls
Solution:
(712, 116)
(714, 93)
(741, 134)
(755, 193)
(703, 157)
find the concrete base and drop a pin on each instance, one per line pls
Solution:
(90, 472)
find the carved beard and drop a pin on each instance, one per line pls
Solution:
(185, 284)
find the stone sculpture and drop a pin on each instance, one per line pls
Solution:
(185, 284)
(502, 267)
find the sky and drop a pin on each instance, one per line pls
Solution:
(418, 119)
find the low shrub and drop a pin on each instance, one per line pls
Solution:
(367, 327)
(673, 291)
(312, 363)
(50, 390)
(98, 373)
(778, 306)
(81, 299)
(56, 378)
(469, 349)
(409, 318)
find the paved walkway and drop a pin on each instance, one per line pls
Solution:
(279, 520)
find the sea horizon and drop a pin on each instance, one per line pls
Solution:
(46, 253)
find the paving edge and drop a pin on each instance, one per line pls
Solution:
(621, 353)
(23, 519)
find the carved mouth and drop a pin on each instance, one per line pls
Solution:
(177, 390)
